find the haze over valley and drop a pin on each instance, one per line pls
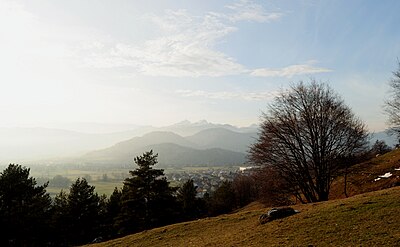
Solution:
(182, 144)
(52, 146)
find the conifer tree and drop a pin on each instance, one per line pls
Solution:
(113, 210)
(24, 208)
(222, 201)
(186, 195)
(77, 214)
(147, 199)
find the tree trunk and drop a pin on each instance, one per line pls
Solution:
(345, 182)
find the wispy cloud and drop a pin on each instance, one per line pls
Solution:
(290, 71)
(245, 10)
(226, 95)
(188, 47)
(187, 50)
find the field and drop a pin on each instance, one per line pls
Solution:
(104, 179)
(369, 219)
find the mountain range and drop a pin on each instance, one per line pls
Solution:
(191, 140)
(183, 143)
(209, 147)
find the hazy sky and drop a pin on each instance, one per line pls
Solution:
(160, 62)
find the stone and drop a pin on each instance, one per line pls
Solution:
(276, 213)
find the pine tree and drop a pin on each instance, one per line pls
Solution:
(186, 195)
(24, 208)
(78, 214)
(223, 199)
(113, 210)
(147, 199)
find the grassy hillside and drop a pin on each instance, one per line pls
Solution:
(365, 177)
(369, 219)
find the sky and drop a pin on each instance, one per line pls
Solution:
(161, 62)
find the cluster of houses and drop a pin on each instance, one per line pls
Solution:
(207, 180)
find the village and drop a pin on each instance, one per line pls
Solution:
(208, 180)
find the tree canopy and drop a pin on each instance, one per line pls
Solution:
(77, 219)
(147, 199)
(186, 195)
(305, 135)
(24, 208)
(29, 217)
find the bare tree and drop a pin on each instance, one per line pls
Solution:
(392, 105)
(245, 189)
(380, 147)
(272, 189)
(306, 135)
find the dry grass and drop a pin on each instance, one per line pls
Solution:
(369, 219)
(361, 177)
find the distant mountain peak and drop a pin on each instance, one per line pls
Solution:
(187, 122)
(161, 133)
(184, 122)
(202, 122)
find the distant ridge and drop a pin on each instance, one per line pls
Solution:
(391, 140)
(187, 128)
(223, 138)
(172, 149)
(53, 146)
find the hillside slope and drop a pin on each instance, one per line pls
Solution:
(378, 173)
(369, 219)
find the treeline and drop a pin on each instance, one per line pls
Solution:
(30, 217)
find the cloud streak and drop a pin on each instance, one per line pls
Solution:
(228, 95)
(245, 10)
(289, 71)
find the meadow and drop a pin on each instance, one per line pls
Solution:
(369, 219)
